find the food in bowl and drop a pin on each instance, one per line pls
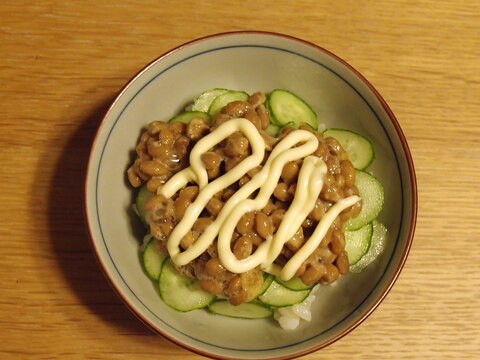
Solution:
(341, 98)
(250, 208)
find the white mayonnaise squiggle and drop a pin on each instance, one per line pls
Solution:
(296, 145)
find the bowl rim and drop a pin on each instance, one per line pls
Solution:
(401, 137)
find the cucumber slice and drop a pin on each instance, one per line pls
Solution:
(371, 192)
(357, 243)
(220, 101)
(142, 197)
(278, 295)
(285, 107)
(359, 148)
(248, 310)
(295, 284)
(204, 100)
(180, 292)
(379, 238)
(153, 259)
(186, 116)
(272, 130)
(267, 281)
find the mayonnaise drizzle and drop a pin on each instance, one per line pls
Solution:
(296, 145)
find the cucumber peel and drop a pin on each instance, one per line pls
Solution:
(187, 116)
(372, 194)
(377, 244)
(359, 149)
(143, 196)
(272, 129)
(153, 259)
(226, 98)
(180, 292)
(285, 107)
(357, 243)
(278, 295)
(204, 100)
(250, 310)
(295, 284)
(267, 281)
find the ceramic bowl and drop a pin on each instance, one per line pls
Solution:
(249, 61)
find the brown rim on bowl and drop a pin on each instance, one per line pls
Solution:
(412, 183)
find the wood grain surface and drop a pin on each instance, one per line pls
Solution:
(62, 63)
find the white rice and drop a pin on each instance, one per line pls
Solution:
(289, 317)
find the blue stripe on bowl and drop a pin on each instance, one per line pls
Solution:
(274, 49)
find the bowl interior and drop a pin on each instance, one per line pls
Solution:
(247, 62)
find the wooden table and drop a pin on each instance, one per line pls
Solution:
(62, 63)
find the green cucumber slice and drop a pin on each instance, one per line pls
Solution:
(226, 98)
(272, 130)
(285, 107)
(250, 310)
(371, 192)
(357, 243)
(278, 295)
(180, 292)
(187, 116)
(142, 197)
(267, 281)
(359, 148)
(295, 284)
(204, 100)
(378, 240)
(153, 259)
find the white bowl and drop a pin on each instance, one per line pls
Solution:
(248, 61)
